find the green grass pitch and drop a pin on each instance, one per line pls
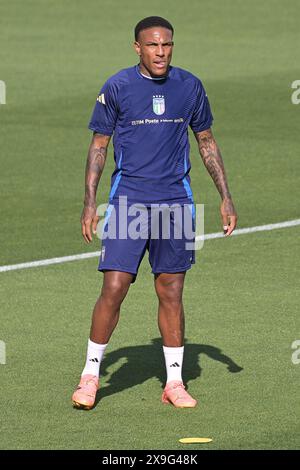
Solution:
(241, 297)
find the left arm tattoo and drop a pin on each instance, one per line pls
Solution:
(212, 159)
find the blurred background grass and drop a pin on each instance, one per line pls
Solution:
(56, 55)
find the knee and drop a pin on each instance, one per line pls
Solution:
(114, 291)
(170, 292)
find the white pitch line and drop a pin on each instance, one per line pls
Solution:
(258, 228)
(47, 262)
(94, 254)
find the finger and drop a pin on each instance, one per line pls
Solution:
(94, 224)
(83, 233)
(88, 231)
(224, 219)
(225, 222)
(232, 225)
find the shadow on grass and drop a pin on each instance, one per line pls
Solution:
(146, 361)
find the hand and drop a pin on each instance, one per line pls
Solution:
(89, 218)
(229, 216)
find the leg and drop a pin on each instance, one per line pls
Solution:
(169, 288)
(107, 308)
(105, 318)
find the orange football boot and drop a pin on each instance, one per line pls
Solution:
(175, 394)
(85, 394)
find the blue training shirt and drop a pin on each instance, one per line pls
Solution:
(149, 119)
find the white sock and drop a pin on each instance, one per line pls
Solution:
(94, 356)
(174, 359)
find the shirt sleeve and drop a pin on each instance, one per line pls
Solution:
(202, 117)
(105, 112)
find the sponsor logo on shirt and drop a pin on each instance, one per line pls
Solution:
(158, 104)
(139, 122)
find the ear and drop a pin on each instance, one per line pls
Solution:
(137, 48)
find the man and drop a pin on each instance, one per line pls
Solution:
(148, 108)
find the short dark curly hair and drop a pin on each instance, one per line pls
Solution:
(151, 21)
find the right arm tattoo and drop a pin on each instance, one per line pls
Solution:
(94, 167)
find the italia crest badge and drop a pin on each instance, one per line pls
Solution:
(158, 104)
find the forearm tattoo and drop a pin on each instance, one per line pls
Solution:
(94, 168)
(212, 159)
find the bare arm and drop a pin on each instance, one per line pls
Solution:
(212, 159)
(94, 167)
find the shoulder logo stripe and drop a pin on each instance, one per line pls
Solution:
(101, 98)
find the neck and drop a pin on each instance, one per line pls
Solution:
(145, 72)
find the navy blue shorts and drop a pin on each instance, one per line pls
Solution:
(167, 235)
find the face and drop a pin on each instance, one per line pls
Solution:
(155, 47)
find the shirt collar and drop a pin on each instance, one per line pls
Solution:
(149, 78)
